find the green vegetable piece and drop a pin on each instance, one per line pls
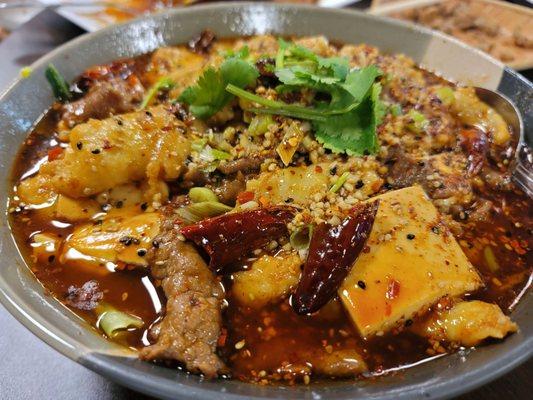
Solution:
(164, 83)
(446, 95)
(490, 259)
(243, 53)
(210, 154)
(259, 124)
(196, 212)
(198, 145)
(209, 95)
(112, 321)
(339, 182)
(60, 87)
(346, 123)
(201, 194)
(301, 237)
(417, 121)
(276, 107)
(220, 155)
(355, 132)
(396, 110)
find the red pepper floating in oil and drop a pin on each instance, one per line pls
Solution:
(231, 237)
(332, 253)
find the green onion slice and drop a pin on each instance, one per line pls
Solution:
(301, 237)
(339, 182)
(196, 212)
(201, 194)
(59, 84)
(112, 321)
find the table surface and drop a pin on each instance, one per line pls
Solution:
(29, 368)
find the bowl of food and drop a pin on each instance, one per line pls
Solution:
(227, 201)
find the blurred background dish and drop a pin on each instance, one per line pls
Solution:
(93, 15)
(499, 28)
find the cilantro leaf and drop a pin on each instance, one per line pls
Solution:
(209, 95)
(338, 65)
(358, 82)
(238, 72)
(353, 132)
(243, 53)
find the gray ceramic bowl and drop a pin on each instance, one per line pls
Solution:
(27, 99)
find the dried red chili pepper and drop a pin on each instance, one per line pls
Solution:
(332, 253)
(231, 237)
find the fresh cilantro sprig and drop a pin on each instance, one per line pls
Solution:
(347, 121)
(345, 111)
(209, 95)
(164, 83)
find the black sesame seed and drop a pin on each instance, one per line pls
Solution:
(409, 322)
(126, 240)
(141, 252)
(435, 229)
(148, 113)
(51, 258)
(361, 284)
(155, 243)
(144, 206)
(95, 151)
(119, 204)
(120, 122)
(410, 236)
(359, 184)
(79, 145)
(387, 186)
(333, 170)
(421, 163)
(289, 200)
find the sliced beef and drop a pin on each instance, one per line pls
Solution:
(190, 329)
(104, 98)
(245, 165)
(228, 190)
(404, 170)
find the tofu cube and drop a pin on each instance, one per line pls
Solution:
(412, 261)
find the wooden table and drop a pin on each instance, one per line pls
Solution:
(29, 368)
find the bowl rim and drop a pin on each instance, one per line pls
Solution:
(131, 376)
